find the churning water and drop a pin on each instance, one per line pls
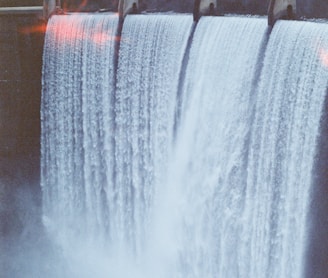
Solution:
(189, 156)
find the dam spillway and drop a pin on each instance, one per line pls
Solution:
(188, 151)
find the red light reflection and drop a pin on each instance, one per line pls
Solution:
(36, 28)
(101, 37)
(72, 30)
(323, 55)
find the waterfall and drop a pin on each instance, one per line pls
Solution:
(249, 149)
(77, 129)
(151, 55)
(212, 145)
(191, 155)
(105, 150)
(289, 105)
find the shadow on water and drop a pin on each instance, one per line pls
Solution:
(317, 259)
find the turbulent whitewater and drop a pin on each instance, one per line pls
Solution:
(150, 61)
(175, 150)
(289, 105)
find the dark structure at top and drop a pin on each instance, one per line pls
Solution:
(276, 9)
(281, 9)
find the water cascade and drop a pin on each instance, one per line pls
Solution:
(283, 145)
(151, 56)
(192, 156)
(212, 144)
(77, 123)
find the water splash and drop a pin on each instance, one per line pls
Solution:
(225, 194)
(77, 123)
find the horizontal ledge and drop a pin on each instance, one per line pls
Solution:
(21, 10)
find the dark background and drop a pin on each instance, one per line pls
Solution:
(307, 8)
(21, 46)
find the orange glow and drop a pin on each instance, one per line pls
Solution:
(69, 33)
(100, 38)
(323, 54)
(38, 28)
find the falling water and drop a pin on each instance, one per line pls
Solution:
(151, 55)
(77, 132)
(247, 150)
(289, 104)
(192, 162)
(100, 174)
(212, 145)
